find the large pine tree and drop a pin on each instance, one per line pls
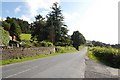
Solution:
(38, 28)
(55, 24)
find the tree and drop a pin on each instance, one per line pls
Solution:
(38, 28)
(77, 39)
(15, 30)
(55, 25)
(4, 37)
(24, 25)
(6, 25)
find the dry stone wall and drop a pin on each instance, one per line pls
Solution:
(25, 52)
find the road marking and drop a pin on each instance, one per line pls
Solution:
(21, 72)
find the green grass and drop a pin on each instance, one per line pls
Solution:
(63, 50)
(10, 61)
(25, 36)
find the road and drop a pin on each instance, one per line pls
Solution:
(70, 65)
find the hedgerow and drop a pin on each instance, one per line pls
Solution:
(109, 56)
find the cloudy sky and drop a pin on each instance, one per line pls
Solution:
(95, 19)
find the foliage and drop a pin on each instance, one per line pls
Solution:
(15, 30)
(25, 36)
(13, 43)
(38, 28)
(56, 27)
(24, 25)
(15, 27)
(50, 44)
(89, 43)
(6, 25)
(60, 49)
(53, 29)
(4, 36)
(77, 39)
(117, 46)
(109, 56)
(44, 44)
(26, 44)
(101, 44)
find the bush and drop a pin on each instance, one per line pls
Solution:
(43, 44)
(4, 37)
(49, 44)
(60, 49)
(26, 44)
(109, 56)
(25, 37)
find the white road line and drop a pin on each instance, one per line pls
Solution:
(21, 72)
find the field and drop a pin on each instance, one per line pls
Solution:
(109, 56)
(25, 36)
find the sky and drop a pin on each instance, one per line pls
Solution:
(95, 19)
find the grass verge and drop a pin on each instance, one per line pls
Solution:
(63, 50)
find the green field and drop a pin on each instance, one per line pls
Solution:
(25, 36)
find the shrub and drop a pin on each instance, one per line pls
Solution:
(4, 37)
(26, 44)
(108, 55)
(25, 37)
(49, 44)
(60, 49)
(43, 44)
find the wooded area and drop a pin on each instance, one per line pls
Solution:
(51, 29)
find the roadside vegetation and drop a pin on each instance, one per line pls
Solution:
(49, 31)
(24, 36)
(107, 55)
(4, 36)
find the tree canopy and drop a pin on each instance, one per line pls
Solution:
(38, 28)
(77, 39)
(51, 28)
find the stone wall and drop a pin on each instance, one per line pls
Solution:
(25, 52)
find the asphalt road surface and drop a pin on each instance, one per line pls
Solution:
(70, 65)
